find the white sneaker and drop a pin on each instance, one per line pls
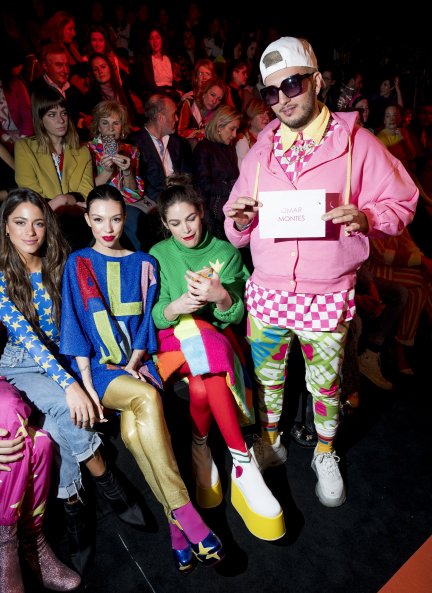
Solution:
(266, 455)
(370, 367)
(330, 487)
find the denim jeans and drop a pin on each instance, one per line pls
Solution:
(74, 444)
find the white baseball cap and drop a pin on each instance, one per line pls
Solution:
(287, 52)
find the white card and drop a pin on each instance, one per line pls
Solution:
(292, 214)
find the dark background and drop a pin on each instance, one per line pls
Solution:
(377, 38)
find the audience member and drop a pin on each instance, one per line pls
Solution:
(104, 86)
(121, 21)
(250, 57)
(399, 260)
(350, 89)
(238, 95)
(256, 117)
(60, 29)
(33, 253)
(330, 90)
(203, 72)
(195, 113)
(215, 167)
(162, 152)
(214, 39)
(154, 72)
(97, 42)
(25, 464)
(108, 328)
(361, 104)
(379, 303)
(116, 162)
(187, 58)
(197, 293)
(140, 30)
(54, 164)
(56, 73)
(15, 111)
(7, 172)
(389, 94)
(396, 138)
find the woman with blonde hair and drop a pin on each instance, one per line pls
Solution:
(116, 162)
(194, 114)
(215, 167)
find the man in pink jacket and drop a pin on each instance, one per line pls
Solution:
(303, 284)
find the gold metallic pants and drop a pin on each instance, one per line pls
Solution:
(145, 434)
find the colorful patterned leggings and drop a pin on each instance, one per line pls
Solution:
(23, 490)
(323, 356)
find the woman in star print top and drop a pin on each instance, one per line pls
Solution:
(202, 280)
(32, 257)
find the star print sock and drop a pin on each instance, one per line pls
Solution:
(190, 521)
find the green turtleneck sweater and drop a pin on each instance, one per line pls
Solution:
(175, 259)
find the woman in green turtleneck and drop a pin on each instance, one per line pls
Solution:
(202, 280)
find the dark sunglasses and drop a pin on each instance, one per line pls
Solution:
(291, 87)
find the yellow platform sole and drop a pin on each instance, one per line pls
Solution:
(267, 528)
(208, 498)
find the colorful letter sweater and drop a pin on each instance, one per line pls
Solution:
(20, 332)
(175, 259)
(106, 312)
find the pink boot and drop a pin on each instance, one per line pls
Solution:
(10, 570)
(42, 562)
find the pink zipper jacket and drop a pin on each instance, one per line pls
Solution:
(378, 184)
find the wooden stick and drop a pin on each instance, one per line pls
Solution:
(255, 190)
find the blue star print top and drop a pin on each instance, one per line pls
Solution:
(20, 332)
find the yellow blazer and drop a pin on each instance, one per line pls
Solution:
(35, 170)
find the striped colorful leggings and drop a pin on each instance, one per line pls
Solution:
(419, 300)
(323, 355)
(23, 490)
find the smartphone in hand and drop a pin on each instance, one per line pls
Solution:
(110, 145)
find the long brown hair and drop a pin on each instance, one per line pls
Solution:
(53, 256)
